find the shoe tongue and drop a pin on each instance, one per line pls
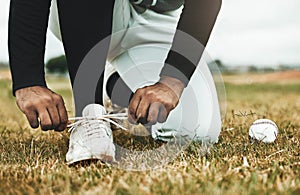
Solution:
(93, 110)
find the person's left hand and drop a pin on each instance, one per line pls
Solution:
(152, 104)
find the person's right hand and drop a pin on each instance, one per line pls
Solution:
(41, 103)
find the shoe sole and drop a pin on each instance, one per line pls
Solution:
(103, 158)
(107, 155)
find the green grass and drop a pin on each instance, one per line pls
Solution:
(32, 161)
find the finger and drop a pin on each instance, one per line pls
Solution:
(131, 118)
(45, 119)
(153, 113)
(142, 111)
(162, 115)
(54, 116)
(63, 115)
(132, 108)
(32, 119)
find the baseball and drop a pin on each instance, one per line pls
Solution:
(263, 130)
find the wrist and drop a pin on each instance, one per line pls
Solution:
(25, 85)
(21, 91)
(173, 83)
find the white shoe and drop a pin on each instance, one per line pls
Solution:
(91, 138)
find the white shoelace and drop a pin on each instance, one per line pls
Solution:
(105, 118)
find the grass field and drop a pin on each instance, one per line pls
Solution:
(32, 161)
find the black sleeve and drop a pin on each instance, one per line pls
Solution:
(28, 21)
(197, 20)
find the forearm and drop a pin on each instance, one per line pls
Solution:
(28, 22)
(197, 20)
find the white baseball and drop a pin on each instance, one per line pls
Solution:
(263, 130)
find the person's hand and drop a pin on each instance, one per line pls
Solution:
(41, 103)
(152, 104)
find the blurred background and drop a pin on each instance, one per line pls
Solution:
(255, 36)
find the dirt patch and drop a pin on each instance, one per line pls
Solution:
(276, 77)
